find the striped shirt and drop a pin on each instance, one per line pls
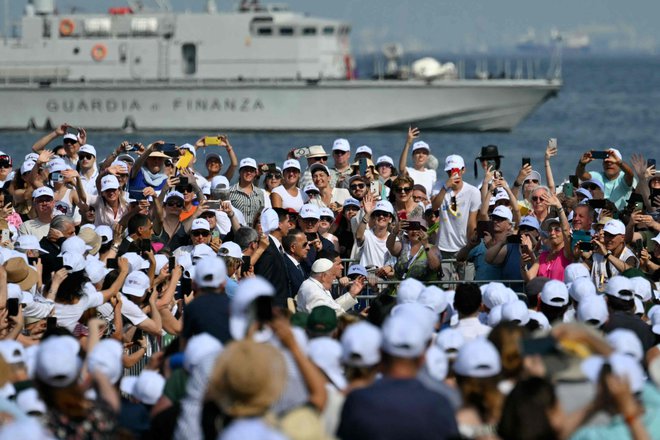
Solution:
(250, 205)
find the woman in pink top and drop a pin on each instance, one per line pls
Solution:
(557, 233)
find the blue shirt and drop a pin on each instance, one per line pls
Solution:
(616, 190)
(230, 287)
(483, 270)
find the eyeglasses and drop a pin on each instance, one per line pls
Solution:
(497, 219)
(381, 214)
(273, 176)
(419, 198)
(111, 190)
(69, 142)
(43, 199)
(310, 220)
(403, 189)
(208, 215)
(85, 156)
(590, 187)
(327, 218)
(358, 186)
(63, 156)
(339, 152)
(5, 164)
(175, 204)
(305, 244)
(554, 229)
(321, 159)
(532, 181)
(537, 199)
(187, 189)
(200, 232)
(168, 163)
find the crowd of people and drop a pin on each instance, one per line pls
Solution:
(150, 294)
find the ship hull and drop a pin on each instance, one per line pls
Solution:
(460, 105)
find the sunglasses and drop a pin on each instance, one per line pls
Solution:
(63, 156)
(208, 215)
(590, 187)
(85, 156)
(273, 176)
(185, 189)
(537, 199)
(339, 152)
(305, 244)
(403, 189)
(5, 164)
(175, 204)
(322, 159)
(381, 214)
(532, 181)
(310, 220)
(327, 218)
(200, 232)
(358, 186)
(168, 163)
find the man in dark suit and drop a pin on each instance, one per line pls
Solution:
(296, 247)
(271, 265)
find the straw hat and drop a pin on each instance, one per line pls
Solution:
(91, 238)
(248, 378)
(18, 272)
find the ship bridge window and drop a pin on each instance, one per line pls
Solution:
(328, 30)
(189, 54)
(309, 31)
(286, 31)
(265, 31)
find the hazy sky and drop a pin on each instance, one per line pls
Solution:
(459, 24)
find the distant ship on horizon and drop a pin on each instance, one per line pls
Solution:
(572, 42)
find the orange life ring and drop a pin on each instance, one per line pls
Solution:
(66, 27)
(99, 51)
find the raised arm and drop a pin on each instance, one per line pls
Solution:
(550, 151)
(580, 170)
(629, 175)
(413, 133)
(368, 204)
(393, 246)
(48, 138)
(643, 173)
(233, 159)
(143, 157)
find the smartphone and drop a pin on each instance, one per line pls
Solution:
(300, 152)
(213, 204)
(655, 192)
(186, 287)
(526, 161)
(168, 146)
(245, 267)
(145, 245)
(51, 323)
(585, 246)
(363, 166)
(492, 164)
(403, 215)
(414, 226)
(211, 140)
(139, 333)
(112, 263)
(574, 181)
(639, 206)
(650, 163)
(552, 142)
(311, 236)
(33, 260)
(264, 308)
(12, 306)
(639, 245)
(568, 189)
(136, 194)
(532, 346)
(513, 239)
(171, 263)
(183, 181)
(596, 203)
(497, 174)
(5, 235)
(484, 226)
(59, 263)
(599, 154)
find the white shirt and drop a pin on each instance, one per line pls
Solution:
(289, 201)
(452, 233)
(471, 328)
(69, 314)
(374, 250)
(132, 311)
(34, 227)
(426, 178)
(313, 294)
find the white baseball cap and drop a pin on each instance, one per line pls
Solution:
(12, 351)
(29, 243)
(403, 337)
(74, 262)
(326, 353)
(436, 363)
(56, 165)
(106, 357)
(248, 162)
(341, 144)
(620, 287)
(291, 163)
(361, 344)
(42, 191)
(29, 401)
(319, 167)
(210, 271)
(202, 250)
(310, 187)
(350, 201)
(409, 291)
(105, 232)
(190, 148)
(327, 212)
(581, 288)
(147, 387)
(593, 310)
(248, 290)
(615, 227)
(515, 311)
(540, 319)
(200, 224)
(173, 194)
(57, 362)
(450, 341)
(421, 145)
(96, 270)
(213, 155)
(478, 358)
(494, 293)
(574, 271)
(109, 182)
(434, 298)
(495, 315)
(198, 348)
(585, 192)
(656, 238)
(70, 136)
(622, 365)
(135, 261)
(554, 293)
(642, 288)
(626, 341)
(216, 181)
(531, 222)
(503, 212)
(364, 149)
(309, 210)
(270, 221)
(27, 166)
(384, 205)
(384, 160)
(230, 249)
(418, 313)
(533, 175)
(89, 149)
(75, 245)
(454, 161)
(136, 284)
(357, 269)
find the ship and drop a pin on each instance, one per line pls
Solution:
(255, 68)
